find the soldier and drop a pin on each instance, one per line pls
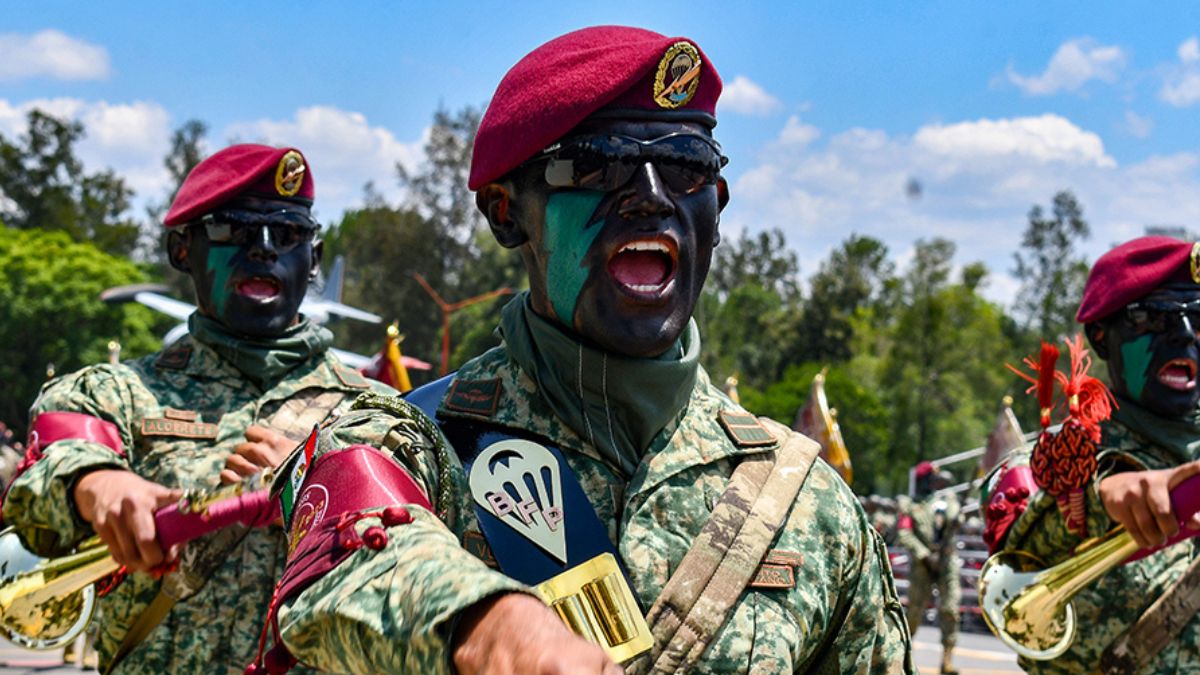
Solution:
(592, 429)
(1140, 312)
(110, 444)
(926, 529)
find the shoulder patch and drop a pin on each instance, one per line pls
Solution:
(350, 378)
(744, 429)
(777, 571)
(478, 397)
(175, 357)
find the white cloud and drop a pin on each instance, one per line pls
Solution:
(1074, 64)
(747, 97)
(345, 150)
(1138, 126)
(1048, 138)
(1181, 87)
(130, 138)
(53, 54)
(797, 133)
(978, 178)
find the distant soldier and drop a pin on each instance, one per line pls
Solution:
(926, 528)
(9, 456)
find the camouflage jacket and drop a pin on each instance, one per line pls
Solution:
(928, 526)
(179, 414)
(1112, 604)
(392, 610)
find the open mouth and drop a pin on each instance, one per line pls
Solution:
(1179, 374)
(259, 288)
(645, 268)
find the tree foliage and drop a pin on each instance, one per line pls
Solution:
(43, 185)
(51, 313)
(1050, 267)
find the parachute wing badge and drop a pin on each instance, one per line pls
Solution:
(819, 422)
(518, 481)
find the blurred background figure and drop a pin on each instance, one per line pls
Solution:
(926, 527)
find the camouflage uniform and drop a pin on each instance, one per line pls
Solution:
(150, 400)
(929, 530)
(393, 610)
(1134, 439)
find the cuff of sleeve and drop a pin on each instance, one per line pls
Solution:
(42, 498)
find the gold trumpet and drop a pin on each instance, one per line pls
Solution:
(1029, 608)
(46, 603)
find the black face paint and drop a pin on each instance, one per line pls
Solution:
(637, 263)
(1153, 351)
(251, 264)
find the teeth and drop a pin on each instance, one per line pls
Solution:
(645, 288)
(645, 246)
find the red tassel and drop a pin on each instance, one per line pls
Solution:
(1045, 381)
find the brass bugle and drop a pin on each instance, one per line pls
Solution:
(1028, 606)
(46, 603)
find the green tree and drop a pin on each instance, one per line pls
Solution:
(187, 150)
(1051, 269)
(857, 274)
(51, 313)
(941, 372)
(45, 186)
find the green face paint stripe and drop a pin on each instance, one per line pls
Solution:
(1135, 357)
(569, 235)
(218, 266)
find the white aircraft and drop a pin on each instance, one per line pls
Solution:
(321, 307)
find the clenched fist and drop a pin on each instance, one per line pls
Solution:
(120, 505)
(262, 449)
(1141, 501)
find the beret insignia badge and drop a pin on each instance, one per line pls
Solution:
(289, 175)
(678, 76)
(1195, 259)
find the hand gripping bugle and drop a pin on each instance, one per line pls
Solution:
(46, 602)
(1029, 608)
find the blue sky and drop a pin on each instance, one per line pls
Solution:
(829, 109)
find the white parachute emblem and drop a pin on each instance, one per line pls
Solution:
(518, 481)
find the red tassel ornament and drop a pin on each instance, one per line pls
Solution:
(1063, 462)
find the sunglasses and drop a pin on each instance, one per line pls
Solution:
(1150, 316)
(287, 229)
(685, 161)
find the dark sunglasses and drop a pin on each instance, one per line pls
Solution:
(1150, 316)
(684, 160)
(287, 229)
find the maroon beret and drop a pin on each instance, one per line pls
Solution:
(1134, 269)
(924, 469)
(561, 83)
(247, 169)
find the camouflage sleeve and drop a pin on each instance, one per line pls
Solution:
(907, 537)
(39, 504)
(392, 609)
(874, 636)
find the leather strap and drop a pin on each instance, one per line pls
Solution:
(699, 596)
(1157, 626)
(147, 621)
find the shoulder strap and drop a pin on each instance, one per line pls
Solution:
(1157, 626)
(697, 599)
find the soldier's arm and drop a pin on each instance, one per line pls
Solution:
(392, 603)
(874, 637)
(79, 424)
(907, 537)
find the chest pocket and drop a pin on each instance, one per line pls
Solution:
(758, 638)
(296, 416)
(176, 448)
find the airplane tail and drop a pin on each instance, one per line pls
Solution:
(334, 280)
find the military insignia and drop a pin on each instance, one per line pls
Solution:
(744, 429)
(1196, 262)
(477, 545)
(174, 358)
(350, 378)
(296, 478)
(289, 175)
(309, 511)
(478, 397)
(165, 426)
(518, 481)
(778, 570)
(678, 76)
(185, 415)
